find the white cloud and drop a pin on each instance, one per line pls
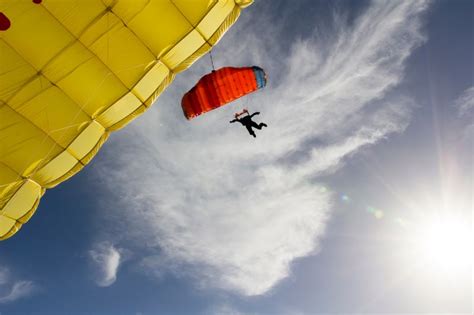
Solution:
(465, 107)
(106, 259)
(204, 198)
(12, 290)
(465, 102)
(228, 309)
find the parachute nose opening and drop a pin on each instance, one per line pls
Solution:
(260, 76)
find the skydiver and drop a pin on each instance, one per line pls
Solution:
(248, 122)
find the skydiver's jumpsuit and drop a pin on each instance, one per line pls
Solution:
(249, 123)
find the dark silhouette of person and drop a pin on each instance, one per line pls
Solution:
(248, 122)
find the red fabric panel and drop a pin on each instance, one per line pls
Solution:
(218, 88)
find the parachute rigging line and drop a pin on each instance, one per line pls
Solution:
(212, 61)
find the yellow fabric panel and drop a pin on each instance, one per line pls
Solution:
(67, 62)
(183, 49)
(14, 71)
(75, 15)
(127, 64)
(186, 63)
(76, 168)
(86, 159)
(122, 108)
(211, 22)
(56, 114)
(92, 87)
(7, 191)
(56, 168)
(194, 10)
(23, 146)
(72, 71)
(166, 19)
(8, 227)
(104, 23)
(30, 89)
(125, 120)
(7, 176)
(27, 195)
(167, 81)
(147, 85)
(231, 18)
(23, 200)
(35, 34)
(87, 140)
(32, 210)
(128, 9)
(243, 3)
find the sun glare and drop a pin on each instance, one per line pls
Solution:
(445, 244)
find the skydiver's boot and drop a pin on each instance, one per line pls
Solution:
(251, 132)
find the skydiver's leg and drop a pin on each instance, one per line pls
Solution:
(249, 129)
(258, 126)
(255, 125)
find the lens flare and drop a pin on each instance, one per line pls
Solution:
(446, 244)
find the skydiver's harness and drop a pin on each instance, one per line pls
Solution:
(245, 111)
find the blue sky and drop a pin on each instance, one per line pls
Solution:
(370, 107)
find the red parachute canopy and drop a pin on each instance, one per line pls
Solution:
(221, 87)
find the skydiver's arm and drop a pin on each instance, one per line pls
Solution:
(233, 121)
(256, 113)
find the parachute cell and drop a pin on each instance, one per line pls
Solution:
(221, 87)
(72, 71)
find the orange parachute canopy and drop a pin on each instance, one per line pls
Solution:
(221, 87)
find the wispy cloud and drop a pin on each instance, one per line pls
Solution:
(465, 107)
(229, 309)
(465, 102)
(233, 211)
(12, 290)
(106, 259)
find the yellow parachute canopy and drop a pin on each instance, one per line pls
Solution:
(72, 71)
